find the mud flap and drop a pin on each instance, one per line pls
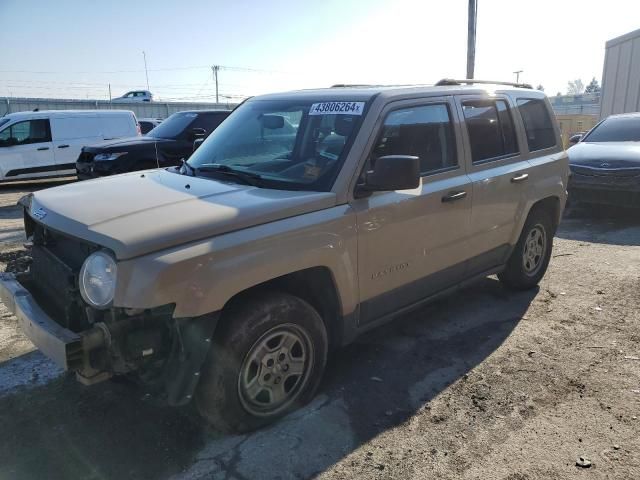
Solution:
(184, 365)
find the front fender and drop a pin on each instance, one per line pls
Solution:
(202, 276)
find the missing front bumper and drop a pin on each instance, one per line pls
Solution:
(58, 343)
(191, 340)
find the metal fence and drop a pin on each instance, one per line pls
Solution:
(141, 109)
(568, 109)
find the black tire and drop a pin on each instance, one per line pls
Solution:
(266, 319)
(522, 271)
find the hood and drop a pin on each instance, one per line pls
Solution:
(615, 154)
(138, 213)
(128, 142)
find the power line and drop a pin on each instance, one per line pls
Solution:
(165, 69)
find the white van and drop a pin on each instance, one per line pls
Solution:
(48, 143)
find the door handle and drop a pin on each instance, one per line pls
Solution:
(43, 148)
(453, 196)
(63, 146)
(520, 178)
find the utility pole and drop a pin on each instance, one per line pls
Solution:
(215, 69)
(517, 73)
(144, 55)
(109, 93)
(471, 37)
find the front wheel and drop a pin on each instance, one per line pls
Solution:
(530, 257)
(266, 361)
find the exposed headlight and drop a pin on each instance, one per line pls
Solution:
(98, 279)
(109, 156)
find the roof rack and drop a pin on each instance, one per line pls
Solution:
(450, 81)
(351, 85)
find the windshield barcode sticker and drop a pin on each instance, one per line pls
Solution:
(337, 108)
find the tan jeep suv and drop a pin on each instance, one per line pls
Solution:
(304, 220)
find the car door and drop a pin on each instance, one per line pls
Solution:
(26, 150)
(70, 134)
(499, 173)
(412, 243)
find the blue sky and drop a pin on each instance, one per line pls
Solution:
(73, 48)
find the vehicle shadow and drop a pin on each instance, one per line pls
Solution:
(33, 185)
(65, 430)
(601, 224)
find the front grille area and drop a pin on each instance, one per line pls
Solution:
(611, 171)
(57, 260)
(606, 197)
(86, 157)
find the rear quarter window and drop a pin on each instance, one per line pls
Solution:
(537, 123)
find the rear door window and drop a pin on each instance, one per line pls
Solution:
(423, 131)
(537, 124)
(491, 131)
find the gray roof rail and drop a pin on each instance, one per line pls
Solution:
(450, 81)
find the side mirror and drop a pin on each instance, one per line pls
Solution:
(197, 133)
(197, 142)
(392, 172)
(575, 139)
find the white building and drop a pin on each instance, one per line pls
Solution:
(621, 75)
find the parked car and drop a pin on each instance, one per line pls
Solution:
(605, 163)
(164, 146)
(47, 143)
(148, 124)
(304, 220)
(134, 96)
(575, 138)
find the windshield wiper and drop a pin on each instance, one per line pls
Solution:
(249, 178)
(187, 167)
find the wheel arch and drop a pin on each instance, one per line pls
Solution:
(314, 285)
(550, 204)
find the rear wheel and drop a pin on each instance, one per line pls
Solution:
(266, 361)
(530, 257)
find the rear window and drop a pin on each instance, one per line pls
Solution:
(616, 129)
(537, 124)
(491, 131)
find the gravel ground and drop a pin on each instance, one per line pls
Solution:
(486, 385)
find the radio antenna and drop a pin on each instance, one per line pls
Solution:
(155, 144)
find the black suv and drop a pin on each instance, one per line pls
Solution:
(165, 145)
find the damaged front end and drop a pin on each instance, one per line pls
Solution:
(164, 352)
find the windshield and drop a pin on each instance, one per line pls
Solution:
(616, 129)
(3, 121)
(173, 126)
(288, 143)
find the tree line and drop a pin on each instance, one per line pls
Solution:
(577, 87)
